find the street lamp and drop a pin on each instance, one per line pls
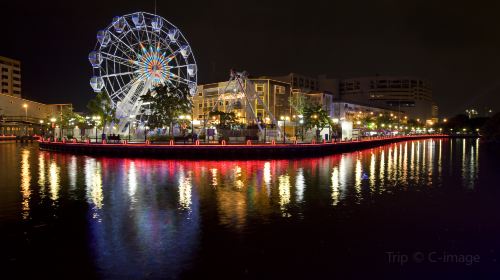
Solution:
(131, 117)
(25, 106)
(96, 121)
(53, 120)
(284, 119)
(41, 127)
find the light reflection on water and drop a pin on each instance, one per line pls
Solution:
(150, 210)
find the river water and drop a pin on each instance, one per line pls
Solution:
(409, 209)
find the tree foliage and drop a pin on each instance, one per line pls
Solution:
(226, 120)
(316, 117)
(491, 129)
(102, 106)
(166, 104)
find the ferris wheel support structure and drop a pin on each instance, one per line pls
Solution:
(246, 87)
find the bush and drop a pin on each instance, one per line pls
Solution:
(160, 138)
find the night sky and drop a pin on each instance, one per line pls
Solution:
(455, 45)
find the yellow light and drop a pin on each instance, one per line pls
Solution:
(53, 120)
(445, 120)
(41, 121)
(25, 105)
(358, 122)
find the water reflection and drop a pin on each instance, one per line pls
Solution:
(25, 183)
(54, 180)
(185, 187)
(93, 183)
(149, 211)
(284, 192)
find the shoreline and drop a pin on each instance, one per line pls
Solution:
(219, 151)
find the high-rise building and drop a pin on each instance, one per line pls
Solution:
(10, 76)
(409, 94)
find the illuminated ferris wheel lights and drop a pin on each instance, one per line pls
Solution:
(95, 59)
(103, 37)
(97, 83)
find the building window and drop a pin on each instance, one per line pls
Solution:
(279, 89)
(259, 88)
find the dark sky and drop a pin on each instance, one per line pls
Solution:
(454, 44)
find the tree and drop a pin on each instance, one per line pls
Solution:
(226, 120)
(298, 102)
(166, 104)
(491, 129)
(316, 117)
(102, 107)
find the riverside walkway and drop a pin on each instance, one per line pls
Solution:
(224, 151)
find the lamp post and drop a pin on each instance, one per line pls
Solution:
(41, 128)
(53, 120)
(25, 106)
(96, 121)
(267, 119)
(284, 119)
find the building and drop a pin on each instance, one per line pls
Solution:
(409, 94)
(351, 111)
(10, 76)
(19, 116)
(274, 94)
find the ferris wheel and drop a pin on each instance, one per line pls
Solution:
(136, 53)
